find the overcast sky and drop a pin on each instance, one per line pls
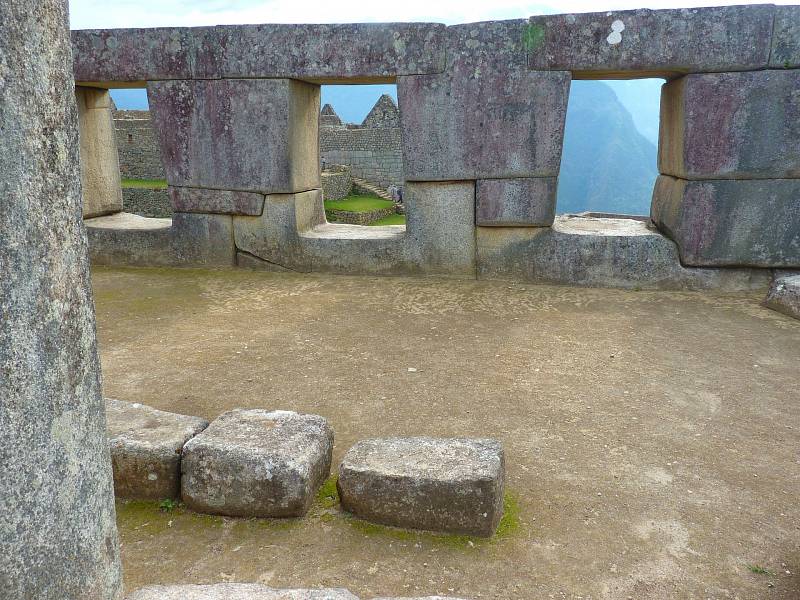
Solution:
(86, 14)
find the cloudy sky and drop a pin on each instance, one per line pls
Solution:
(86, 14)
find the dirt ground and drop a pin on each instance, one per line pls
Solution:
(651, 438)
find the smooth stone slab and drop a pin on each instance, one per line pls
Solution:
(244, 134)
(235, 591)
(487, 116)
(202, 240)
(125, 239)
(257, 463)
(731, 126)
(146, 446)
(199, 200)
(600, 252)
(786, 38)
(784, 296)
(354, 52)
(58, 533)
(100, 178)
(450, 485)
(731, 223)
(652, 42)
(524, 202)
(132, 55)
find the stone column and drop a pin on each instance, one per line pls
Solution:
(58, 538)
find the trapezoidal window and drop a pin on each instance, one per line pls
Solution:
(609, 161)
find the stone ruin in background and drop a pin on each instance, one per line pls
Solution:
(481, 129)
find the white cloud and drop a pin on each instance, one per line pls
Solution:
(149, 13)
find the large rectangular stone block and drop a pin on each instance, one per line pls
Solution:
(523, 202)
(440, 227)
(121, 56)
(731, 126)
(652, 42)
(199, 240)
(201, 200)
(786, 38)
(274, 236)
(727, 222)
(784, 296)
(100, 179)
(363, 52)
(487, 116)
(245, 135)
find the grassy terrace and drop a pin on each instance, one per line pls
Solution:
(149, 184)
(358, 204)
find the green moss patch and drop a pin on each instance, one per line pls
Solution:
(394, 219)
(148, 184)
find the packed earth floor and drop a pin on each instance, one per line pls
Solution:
(651, 438)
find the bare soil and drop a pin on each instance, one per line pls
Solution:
(651, 438)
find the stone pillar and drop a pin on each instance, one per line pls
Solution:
(729, 157)
(102, 192)
(58, 537)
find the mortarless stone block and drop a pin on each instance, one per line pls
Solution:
(440, 227)
(257, 463)
(784, 296)
(731, 223)
(652, 42)
(362, 52)
(100, 180)
(786, 38)
(58, 533)
(131, 55)
(452, 485)
(245, 135)
(200, 240)
(487, 116)
(523, 202)
(274, 236)
(146, 447)
(600, 252)
(235, 591)
(731, 126)
(200, 200)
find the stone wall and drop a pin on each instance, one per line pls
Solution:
(479, 142)
(147, 202)
(139, 153)
(337, 182)
(374, 153)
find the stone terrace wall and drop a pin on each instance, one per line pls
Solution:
(139, 153)
(374, 154)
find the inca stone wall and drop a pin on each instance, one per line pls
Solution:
(480, 134)
(139, 153)
(58, 536)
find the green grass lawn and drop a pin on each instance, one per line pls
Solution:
(150, 184)
(358, 204)
(394, 219)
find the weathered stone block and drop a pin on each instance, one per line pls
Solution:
(525, 202)
(652, 42)
(58, 534)
(146, 447)
(200, 240)
(600, 252)
(738, 223)
(200, 200)
(245, 135)
(340, 248)
(784, 296)
(131, 55)
(275, 235)
(453, 485)
(487, 116)
(257, 463)
(731, 126)
(786, 38)
(362, 52)
(235, 591)
(123, 239)
(440, 227)
(100, 180)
